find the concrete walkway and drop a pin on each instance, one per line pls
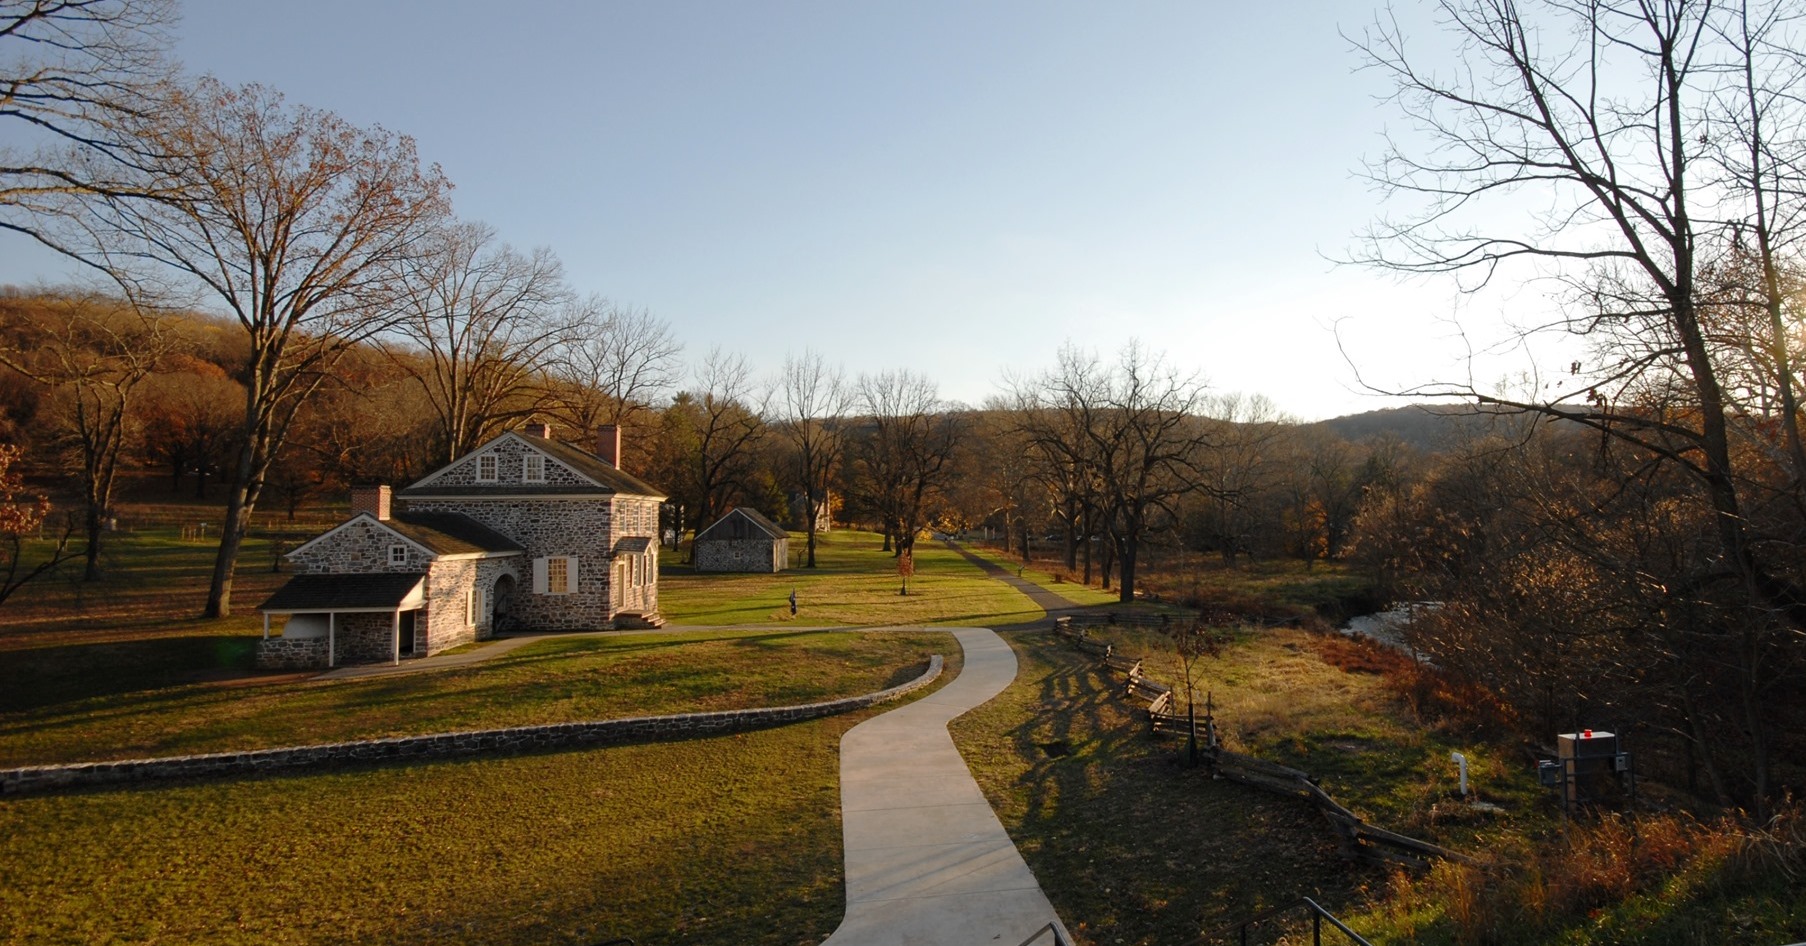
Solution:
(927, 861)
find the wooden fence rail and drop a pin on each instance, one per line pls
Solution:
(1359, 838)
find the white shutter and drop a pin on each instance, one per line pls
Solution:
(539, 576)
(570, 575)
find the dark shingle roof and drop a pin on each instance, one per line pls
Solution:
(586, 464)
(448, 533)
(757, 518)
(632, 544)
(342, 592)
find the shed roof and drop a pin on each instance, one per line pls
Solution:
(369, 592)
(450, 533)
(723, 528)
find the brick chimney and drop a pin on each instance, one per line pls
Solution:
(608, 444)
(538, 429)
(371, 499)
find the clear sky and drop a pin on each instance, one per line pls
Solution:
(956, 188)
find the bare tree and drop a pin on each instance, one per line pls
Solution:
(907, 458)
(93, 356)
(1603, 116)
(710, 437)
(1133, 427)
(480, 324)
(74, 76)
(616, 364)
(295, 222)
(815, 400)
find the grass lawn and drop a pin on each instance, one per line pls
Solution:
(726, 840)
(1135, 847)
(557, 680)
(1047, 574)
(855, 583)
(1132, 846)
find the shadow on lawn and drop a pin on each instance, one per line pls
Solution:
(1131, 842)
(41, 677)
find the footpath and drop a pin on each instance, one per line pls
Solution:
(927, 861)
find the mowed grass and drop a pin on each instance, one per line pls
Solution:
(557, 680)
(1048, 574)
(855, 583)
(1131, 845)
(728, 840)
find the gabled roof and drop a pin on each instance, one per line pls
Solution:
(603, 478)
(437, 534)
(448, 533)
(759, 524)
(379, 592)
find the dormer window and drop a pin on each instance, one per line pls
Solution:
(534, 469)
(398, 555)
(486, 468)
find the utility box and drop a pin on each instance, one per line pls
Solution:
(1591, 769)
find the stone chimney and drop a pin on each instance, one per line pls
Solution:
(538, 429)
(608, 444)
(371, 499)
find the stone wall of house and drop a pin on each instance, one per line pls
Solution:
(637, 517)
(547, 527)
(360, 546)
(277, 653)
(510, 469)
(740, 555)
(445, 623)
(364, 637)
(441, 746)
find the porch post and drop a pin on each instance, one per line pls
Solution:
(266, 625)
(332, 644)
(395, 637)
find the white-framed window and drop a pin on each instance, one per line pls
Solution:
(473, 607)
(533, 469)
(398, 555)
(555, 575)
(486, 466)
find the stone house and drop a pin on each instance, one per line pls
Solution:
(741, 541)
(524, 533)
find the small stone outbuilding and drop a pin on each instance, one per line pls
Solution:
(741, 541)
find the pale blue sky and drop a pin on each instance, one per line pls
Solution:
(952, 187)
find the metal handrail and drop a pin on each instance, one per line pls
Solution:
(1318, 915)
(1059, 937)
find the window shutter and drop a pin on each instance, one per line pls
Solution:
(539, 576)
(570, 575)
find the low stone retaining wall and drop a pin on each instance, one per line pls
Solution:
(42, 778)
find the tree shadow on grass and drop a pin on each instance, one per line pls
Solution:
(1131, 843)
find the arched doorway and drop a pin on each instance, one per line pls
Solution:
(501, 608)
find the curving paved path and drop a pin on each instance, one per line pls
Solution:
(927, 861)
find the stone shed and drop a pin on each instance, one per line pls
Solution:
(741, 541)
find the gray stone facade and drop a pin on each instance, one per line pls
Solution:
(300, 654)
(740, 555)
(491, 534)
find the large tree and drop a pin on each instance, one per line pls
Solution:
(1621, 151)
(905, 460)
(616, 363)
(75, 76)
(480, 323)
(815, 399)
(93, 356)
(1133, 426)
(295, 222)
